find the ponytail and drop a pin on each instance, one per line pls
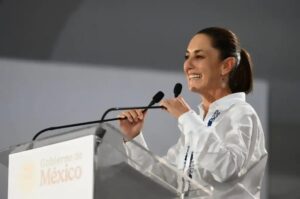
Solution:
(240, 78)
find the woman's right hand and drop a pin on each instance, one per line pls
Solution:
(133, 124)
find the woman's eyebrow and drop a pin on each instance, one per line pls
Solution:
(195, 51)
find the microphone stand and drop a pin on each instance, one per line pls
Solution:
(95, 121)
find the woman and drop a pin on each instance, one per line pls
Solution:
(223, 144)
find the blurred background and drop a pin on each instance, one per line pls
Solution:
(46, 41)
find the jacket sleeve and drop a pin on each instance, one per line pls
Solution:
(154, 167)
(223, 155)
(134, 152)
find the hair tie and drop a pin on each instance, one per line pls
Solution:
(238, 58)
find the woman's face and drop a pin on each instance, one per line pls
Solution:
(202, 66)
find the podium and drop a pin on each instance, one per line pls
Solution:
(90, 163)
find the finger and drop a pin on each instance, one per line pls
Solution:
(165, 104)
(128, 116)
(121, 116)
(183, 102)
(178, 96)
(140, 113)
(180, 99)
(134, 115)
(123, 119)
(162, 103)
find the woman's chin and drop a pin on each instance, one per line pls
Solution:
(194, 89)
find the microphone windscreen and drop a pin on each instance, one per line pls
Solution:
(158, 96)
(177, 89)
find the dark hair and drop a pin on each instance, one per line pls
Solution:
(240, 77)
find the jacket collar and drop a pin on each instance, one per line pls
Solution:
(225, 102)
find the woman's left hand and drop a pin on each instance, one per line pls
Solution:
(176, 106)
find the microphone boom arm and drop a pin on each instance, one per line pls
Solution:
(95, 121)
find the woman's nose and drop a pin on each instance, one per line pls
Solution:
(187, 64)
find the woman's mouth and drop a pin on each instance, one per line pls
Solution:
(194, 76)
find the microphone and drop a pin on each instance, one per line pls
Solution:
(156, 98)
(177, 89)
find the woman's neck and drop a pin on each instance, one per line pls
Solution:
(210, 97)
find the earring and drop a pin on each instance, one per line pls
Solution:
(223, 82)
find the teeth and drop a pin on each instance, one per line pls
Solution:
(195, 76)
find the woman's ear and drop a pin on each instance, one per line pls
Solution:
(228, 65)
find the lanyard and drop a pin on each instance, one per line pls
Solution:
(185, 157)
(191, 159)
(190, 168)
(213, 117)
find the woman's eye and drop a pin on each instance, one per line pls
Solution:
(199, 57)
(195, 57)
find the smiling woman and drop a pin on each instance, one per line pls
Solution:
(216, 66)
(224, 144)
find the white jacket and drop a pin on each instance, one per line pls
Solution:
(226, 149)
